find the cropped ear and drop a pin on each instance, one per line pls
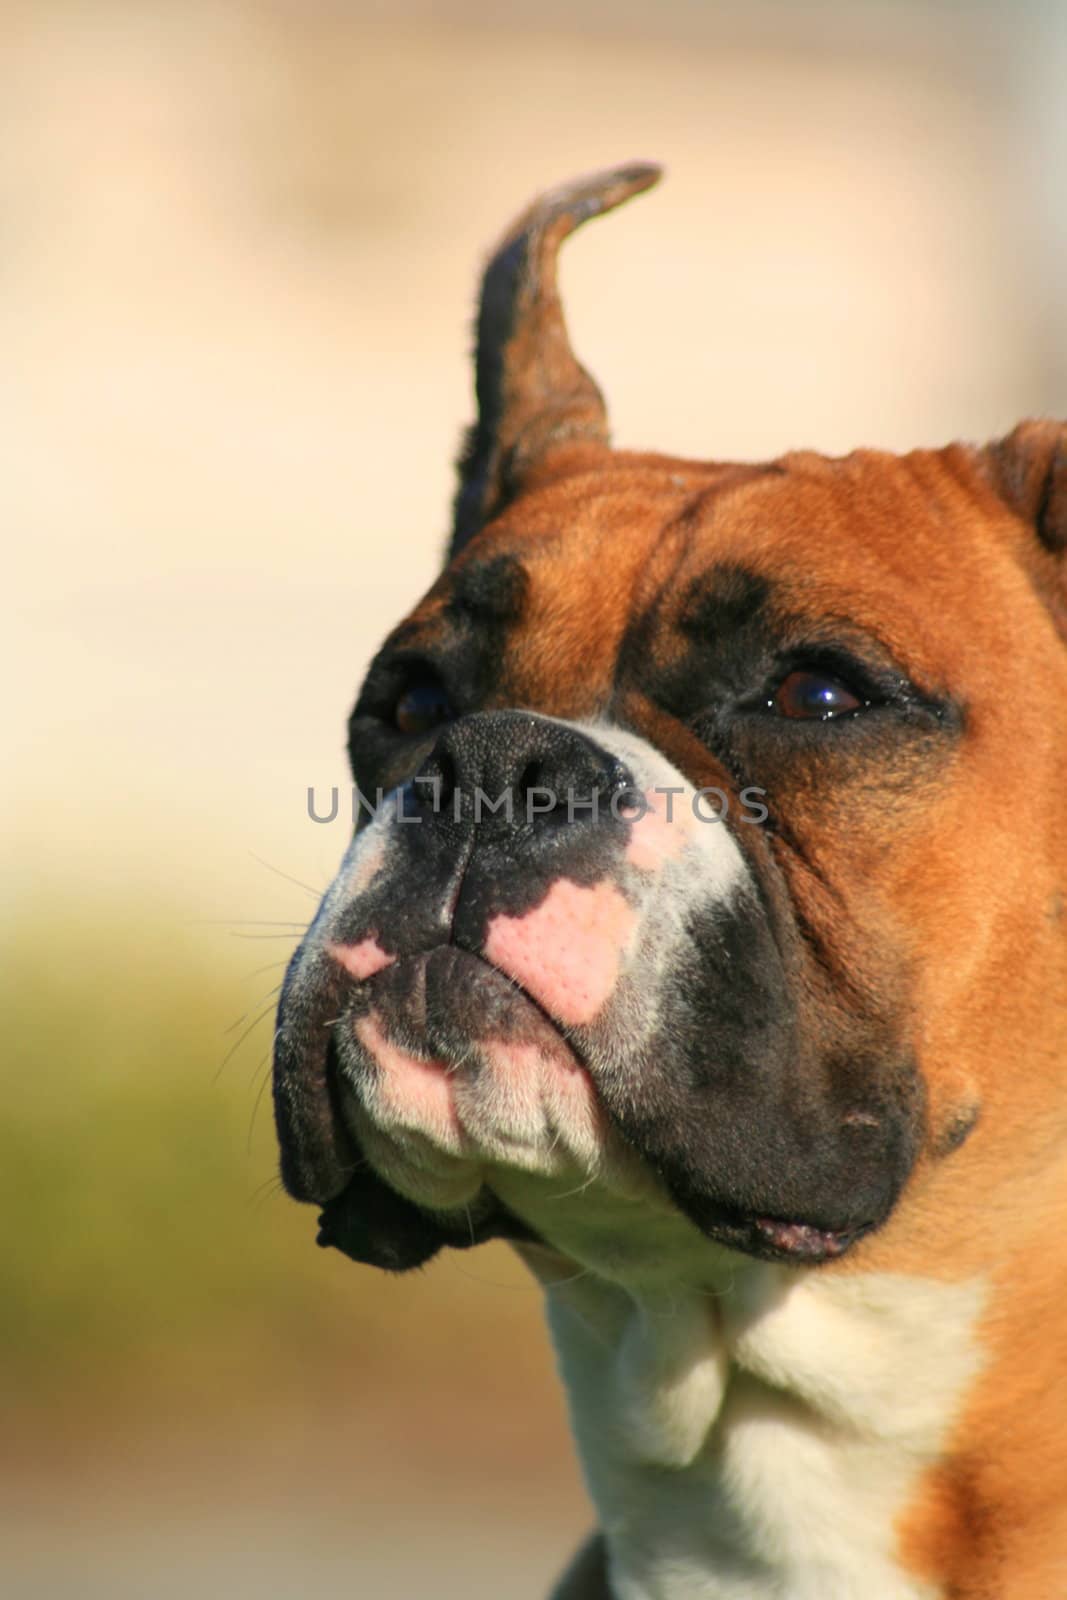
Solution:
(1029, 471)
(532, 393)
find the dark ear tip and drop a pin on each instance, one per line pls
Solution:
(616, 184)
(641, 174)
(532, 391)
(621, 183)
(590, 196)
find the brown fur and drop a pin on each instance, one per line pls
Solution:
(963, 878)
(940, 890)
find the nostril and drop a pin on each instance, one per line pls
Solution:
(447, 776)
(531, 777)
(437, 779)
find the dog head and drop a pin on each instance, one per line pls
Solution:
(708, 866)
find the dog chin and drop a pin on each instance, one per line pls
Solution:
(446, 1070)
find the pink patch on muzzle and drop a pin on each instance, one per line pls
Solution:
(519, 1063)
(413, 1087)
(567, 952)
(362, 960)
(656, 838)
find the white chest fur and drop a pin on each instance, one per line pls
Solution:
(757, 1440)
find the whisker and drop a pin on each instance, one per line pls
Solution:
(316, 894)
(270, 966)
(248, 922)
(240, 1041)
(561, 1283)
(261, 1001)
(568, 1193)
(458, 1263)
(257, 1102)
(264, 1060)
(267, 1190)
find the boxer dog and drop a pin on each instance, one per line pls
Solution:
(704, 934)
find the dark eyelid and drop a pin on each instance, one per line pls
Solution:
(872, 676)
(387, 679)
(854, 676)
(415, 666)
(869, 682)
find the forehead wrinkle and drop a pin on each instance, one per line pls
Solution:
(662, 581)
(832, 524)
(683, 532)
(667, 560)
(815, 545)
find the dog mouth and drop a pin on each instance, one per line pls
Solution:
(442, 1004)
(428, 1031)
(449, 1060)
(422, 1045)
(439, 1072)
(784, 1239)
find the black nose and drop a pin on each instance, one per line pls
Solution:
(507, 770)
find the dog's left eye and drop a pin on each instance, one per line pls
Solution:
(814, 695)
(422, 707)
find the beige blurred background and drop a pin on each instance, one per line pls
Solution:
(238, 249)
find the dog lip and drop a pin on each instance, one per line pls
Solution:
(316, 1149)
(803, 1241)
(790, 1240)
(404, 964)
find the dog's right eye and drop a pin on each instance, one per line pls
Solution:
(422, 707)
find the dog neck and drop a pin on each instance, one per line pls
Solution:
(750, 1430)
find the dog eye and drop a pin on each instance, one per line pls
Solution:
(422, 707)
(814, 695)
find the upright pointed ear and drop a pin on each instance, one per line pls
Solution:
(1029, 471)
(533, 395)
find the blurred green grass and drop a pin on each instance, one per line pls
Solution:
(147, 1248)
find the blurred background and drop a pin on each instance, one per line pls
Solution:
(238, 251)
